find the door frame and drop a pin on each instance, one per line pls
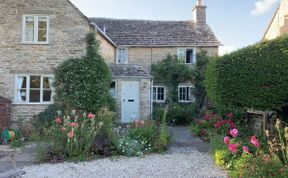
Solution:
(139, 95)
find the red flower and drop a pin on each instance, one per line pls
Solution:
(245, 149)
(226, 140)
(91, 116)
(230, 115)
(234, 132)
(74, 124)
(70, 134)
(254, 141)
(58, 120)
(233, 148)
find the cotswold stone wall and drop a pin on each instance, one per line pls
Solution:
(279, 23)
(67, 31)
(107, 50)
(147, 56)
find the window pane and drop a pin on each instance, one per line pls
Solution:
(29, 29)
(21, 95)
(47, 82)
(35, 81)
(122, 55)
(35, 96)
(189, 56)
(154, 93)
(47, 95)
(42, 29)
(113, 89)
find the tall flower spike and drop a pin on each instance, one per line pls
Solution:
(278, 123)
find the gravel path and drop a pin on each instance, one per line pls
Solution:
(182, 160)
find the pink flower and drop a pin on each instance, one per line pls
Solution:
(254, 141)
(233, 148)
(226, 140)
(234, 132)
(91, 116)
(58, 120)
(245, 149)
(230, 115)
(70, 134)
(74, 124)
(63, 129)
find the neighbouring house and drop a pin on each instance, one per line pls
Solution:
(36, 36)
(279, 23)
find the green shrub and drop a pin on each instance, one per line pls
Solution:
(252, 77)
(129, 147)
(46, 118)
(158, 112)
(146, 134)
(83, 84)
(181, 113)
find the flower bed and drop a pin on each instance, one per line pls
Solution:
(242, 156)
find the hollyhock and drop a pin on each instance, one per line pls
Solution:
(254, 141)
(74, 124)
(233, 148)
(245, 149)
(91, 116)
(234, 132)
(226, 140)
(58, 120)
(70, 134)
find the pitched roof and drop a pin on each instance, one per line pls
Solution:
(128, 71)
(157, 33)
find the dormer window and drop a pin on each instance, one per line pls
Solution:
(35, 29)
(188, 55)
(122, 55)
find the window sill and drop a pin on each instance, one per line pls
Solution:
(32, 104)
(158, 101)
(34, 43)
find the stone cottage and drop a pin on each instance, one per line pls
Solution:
(36, 36)
(279, 23)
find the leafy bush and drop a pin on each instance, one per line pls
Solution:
(145, 133)
(181, 113)
(84, 83)
(252, 77)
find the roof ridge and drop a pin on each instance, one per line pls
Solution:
(106, 18)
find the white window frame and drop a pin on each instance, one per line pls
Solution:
(28, 90)
(36, 22)
(192, 97)
(127, 55)
(115, 89)
(182, 55)
(157, 100)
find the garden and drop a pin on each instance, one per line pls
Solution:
(81, 125)
(255, 78)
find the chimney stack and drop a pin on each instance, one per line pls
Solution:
(199, 12)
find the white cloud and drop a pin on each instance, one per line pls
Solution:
(226, 49)
(263, 6)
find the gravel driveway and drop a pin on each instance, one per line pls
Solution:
(192, 164)
(185, 158)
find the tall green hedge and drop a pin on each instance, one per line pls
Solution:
(253, 77)
(84, 83)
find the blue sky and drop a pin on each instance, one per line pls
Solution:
(237, 23)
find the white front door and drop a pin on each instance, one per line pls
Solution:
(130, 100)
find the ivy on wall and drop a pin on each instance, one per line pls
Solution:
(84, 83)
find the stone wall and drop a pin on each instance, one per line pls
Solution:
(67, 31)
(107, 50)
(279, 23)
(147, 56)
